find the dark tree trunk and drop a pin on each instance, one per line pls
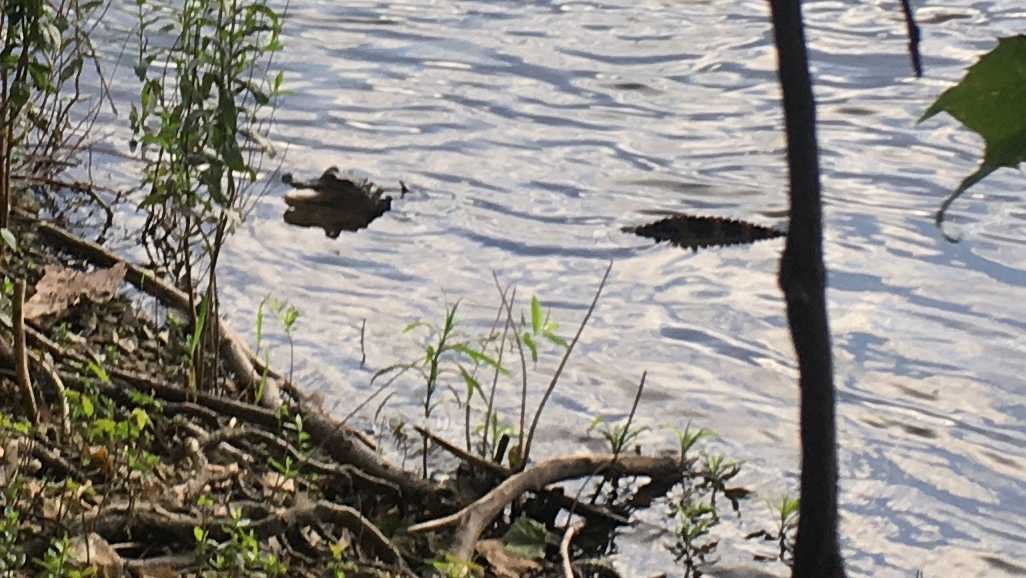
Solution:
(803, 281)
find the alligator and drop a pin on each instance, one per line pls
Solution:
(334, 202)
(696, 232)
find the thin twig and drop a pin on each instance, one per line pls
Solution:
(363, 349)
(508, 304)
(559, 370)
(619, 442)
(913, 37)
(28, 397)
(495, 374)
(404, 367)
(564, 548)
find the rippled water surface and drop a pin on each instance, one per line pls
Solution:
(531, 132)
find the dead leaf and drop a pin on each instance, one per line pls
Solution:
(503, 562)
(61, 288)
(275, 482)
(95, 553)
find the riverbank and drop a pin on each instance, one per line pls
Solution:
(114, 460)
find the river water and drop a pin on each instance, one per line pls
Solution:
(531, 132)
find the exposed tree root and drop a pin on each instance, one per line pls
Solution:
(472, 520)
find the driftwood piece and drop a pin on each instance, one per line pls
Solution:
(472, 520)
(334, 203)
(695, 232)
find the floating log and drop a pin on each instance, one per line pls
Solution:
(695, 231)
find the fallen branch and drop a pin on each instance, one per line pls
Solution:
(502, 472)
(475, 518)
(345, 471)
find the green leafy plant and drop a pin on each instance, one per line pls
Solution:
(340, 564)
(287, 315)
(786, 509)
(695, 510)
(988, 101)
(240, 554)
(692, 543)
(688, 438)
(194, 115)
(541, 327)
(55, 563)
(617, 436)
(526, 538)
(12, 556)
(716, 471)
(43, 51)
(448, 347)
(452, 567)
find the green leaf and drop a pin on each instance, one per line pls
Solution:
(71, 69)
(479, 357)
(532, 345)
(104, 425)
(989, 101)
(142, 419)
(197, 331)
(411, 326)
(40, 74)
(526, 537)
(260, 324)
(472, 383)
(87, 405)
(556, 339)
(99, 372)
(233, 155)
(536, 315)
(9, 239)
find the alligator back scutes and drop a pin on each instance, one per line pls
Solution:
(696, 232)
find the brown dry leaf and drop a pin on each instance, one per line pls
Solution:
(94, 553)
(61, 288)
(503, 562)
(275, 482)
